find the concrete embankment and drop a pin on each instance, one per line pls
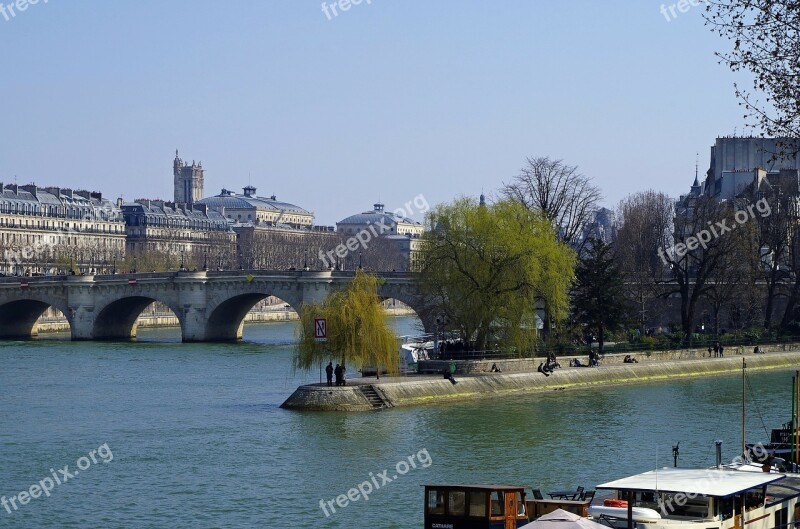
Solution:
(368, 393)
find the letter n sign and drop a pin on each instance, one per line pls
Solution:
(320, 329)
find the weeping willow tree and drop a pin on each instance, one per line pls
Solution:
(484, 267)
(357, 327)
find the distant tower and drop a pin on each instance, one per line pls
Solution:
(188, 181)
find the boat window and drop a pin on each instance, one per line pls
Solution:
(457, 502)
(520, 505)
(781, 518)
(435, 501)
(680, 504)
(497, 504)
(753, 499)
(477, 504)
(646, 499)
(725, 509)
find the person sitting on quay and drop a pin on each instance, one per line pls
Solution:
(575, 363)
(495, 369)
(543, 369)
(629, 360)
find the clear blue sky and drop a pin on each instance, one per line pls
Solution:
(390, 99)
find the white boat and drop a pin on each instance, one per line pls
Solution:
(715, 498)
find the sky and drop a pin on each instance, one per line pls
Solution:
(386, 101)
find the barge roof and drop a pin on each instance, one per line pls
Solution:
(708, 482)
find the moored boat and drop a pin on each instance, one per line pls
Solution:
(714, 498)
(474, 507)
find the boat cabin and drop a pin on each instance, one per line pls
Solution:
(700, 498)
(474, 507)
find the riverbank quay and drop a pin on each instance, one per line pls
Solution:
(366, 394)
(484, 365)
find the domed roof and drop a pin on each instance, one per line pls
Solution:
(377, 216)
(230, 200)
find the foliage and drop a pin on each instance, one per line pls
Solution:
(598, 299)
(357, 327)
(486, 266)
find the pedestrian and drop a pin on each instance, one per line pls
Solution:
(721, 349)
(338, 372)
(709, 351)
(329, 373)
(716, 349)
(344, 379)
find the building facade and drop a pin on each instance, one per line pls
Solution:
(53, 230)
(176, 236)
(393, 240)
(734, 159)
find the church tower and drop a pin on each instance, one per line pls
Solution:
(188, 181)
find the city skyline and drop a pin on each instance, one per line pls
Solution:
(379, 102)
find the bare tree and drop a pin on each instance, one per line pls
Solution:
(765, 37)
(558, 191)
(702, 246)
(645, 226)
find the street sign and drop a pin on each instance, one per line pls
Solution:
(132, 281)
(23, 284)
(320, 329)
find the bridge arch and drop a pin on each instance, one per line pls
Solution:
(226, 320)
(117, 319)
(18, 318)
(410, 297)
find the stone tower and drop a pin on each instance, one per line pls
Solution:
(188, 181)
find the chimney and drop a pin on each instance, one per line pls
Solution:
(84, 194)
(120, 202)
(30, 188)
(249, 191)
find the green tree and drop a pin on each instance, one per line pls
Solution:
(484, 267)
(357, 327)
(598, 296)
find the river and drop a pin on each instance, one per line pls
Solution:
(191, 435)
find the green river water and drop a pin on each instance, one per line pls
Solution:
(193, 436)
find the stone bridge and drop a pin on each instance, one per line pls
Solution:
(210, 306)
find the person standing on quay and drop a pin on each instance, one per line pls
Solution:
(338, 373)
(329, 373)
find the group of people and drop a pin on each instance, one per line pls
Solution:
(551, 365)
(717, 349)
(594, 361)
(629, 360)
(337, 371)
